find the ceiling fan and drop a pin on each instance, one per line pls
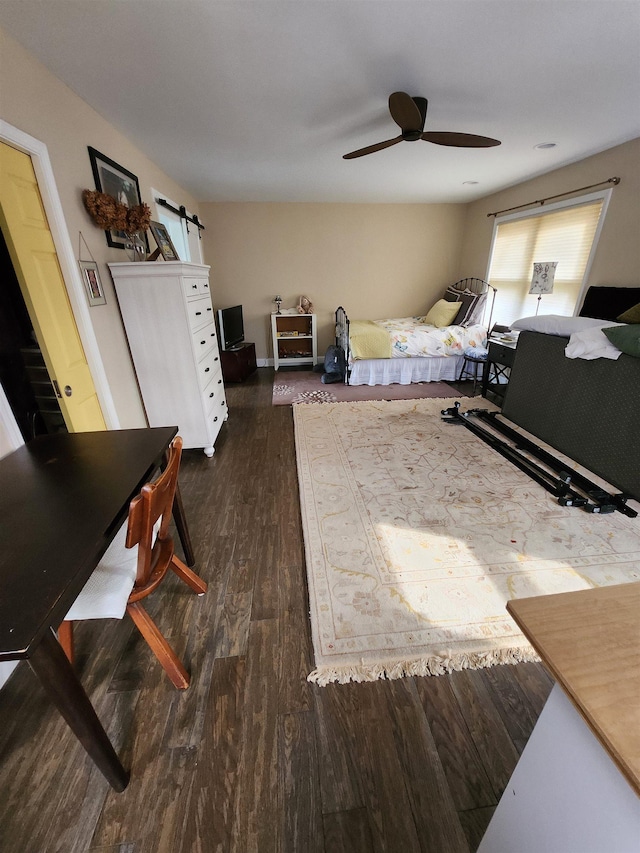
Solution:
(410, 115)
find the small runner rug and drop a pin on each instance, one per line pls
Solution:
(417, 534)
(307, 387)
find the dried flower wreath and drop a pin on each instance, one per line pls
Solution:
(111, 215)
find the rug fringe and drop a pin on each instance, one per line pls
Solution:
(434, 665)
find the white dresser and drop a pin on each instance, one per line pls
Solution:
(168, 317)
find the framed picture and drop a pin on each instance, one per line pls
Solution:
(92, 283)
(165, 246)
(118, 182)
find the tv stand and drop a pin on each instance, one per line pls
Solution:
(238, 362)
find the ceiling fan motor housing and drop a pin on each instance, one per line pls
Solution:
(413, 135)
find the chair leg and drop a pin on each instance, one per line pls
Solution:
(189, 577)
(462, 369)
(159, 646)
(65, 638)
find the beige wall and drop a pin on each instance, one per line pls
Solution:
(394, 260)
(617, 259)
(36, 102)
(377, 260)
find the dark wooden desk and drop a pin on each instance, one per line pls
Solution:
(62, 499)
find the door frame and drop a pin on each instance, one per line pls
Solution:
(39, 154)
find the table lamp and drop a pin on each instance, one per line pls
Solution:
(543, 278)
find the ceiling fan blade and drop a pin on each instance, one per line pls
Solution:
(459, 140)
(371, 148)
(404, 111)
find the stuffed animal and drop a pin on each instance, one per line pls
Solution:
(305, 306)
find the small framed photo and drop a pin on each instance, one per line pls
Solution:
(118, 182)
(92, 283)
(165, 246)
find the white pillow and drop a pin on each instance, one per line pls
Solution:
(554, 324)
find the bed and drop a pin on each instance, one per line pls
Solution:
(582, 400)
(426, 348)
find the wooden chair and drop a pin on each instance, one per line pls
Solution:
(127, 574)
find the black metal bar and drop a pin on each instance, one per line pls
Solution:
(541, 201)
(592, 490)
(182, 213)
(558, 487)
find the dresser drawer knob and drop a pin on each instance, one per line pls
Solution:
(216, 358)
(215, 419)
(194, 286)
(207, 369)
(219, 381)
(202, 342)
(211, 395)
(198, 313)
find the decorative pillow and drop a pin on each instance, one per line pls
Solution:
(442, 314)
(472, 305)
(472, 308)
(452, 295)
(626, 338)
(631, 315)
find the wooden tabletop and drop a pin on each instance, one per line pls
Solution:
(590, 642)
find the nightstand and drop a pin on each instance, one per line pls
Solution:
(497, 370)
(239, 362)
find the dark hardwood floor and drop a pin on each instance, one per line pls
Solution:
(252, 757)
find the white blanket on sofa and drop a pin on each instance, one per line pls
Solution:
(586, 339)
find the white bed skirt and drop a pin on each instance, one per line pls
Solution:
(404, 371)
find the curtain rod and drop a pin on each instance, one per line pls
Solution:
(551, 197)
(182, 212)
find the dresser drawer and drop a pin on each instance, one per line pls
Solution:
(203, 340)
(501, 353)
(199, 312)
(195, 286)
(214, 398)
(208, 368)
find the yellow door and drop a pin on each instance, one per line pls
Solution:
(24, 224)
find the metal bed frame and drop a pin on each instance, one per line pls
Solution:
(475, 285)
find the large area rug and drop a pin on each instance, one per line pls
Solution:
(307, 387)
(417, 534)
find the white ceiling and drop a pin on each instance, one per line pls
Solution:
(258, 101)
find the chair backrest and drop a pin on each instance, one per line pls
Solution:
(155, 502)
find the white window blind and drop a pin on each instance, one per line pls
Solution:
(565, 235)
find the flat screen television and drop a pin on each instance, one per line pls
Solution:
(230, 326)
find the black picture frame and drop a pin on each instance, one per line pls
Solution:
(119, 183)
(163, 240)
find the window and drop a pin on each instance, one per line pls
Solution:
(565, 232)
(184, 236)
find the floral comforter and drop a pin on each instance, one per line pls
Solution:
(411, 338)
